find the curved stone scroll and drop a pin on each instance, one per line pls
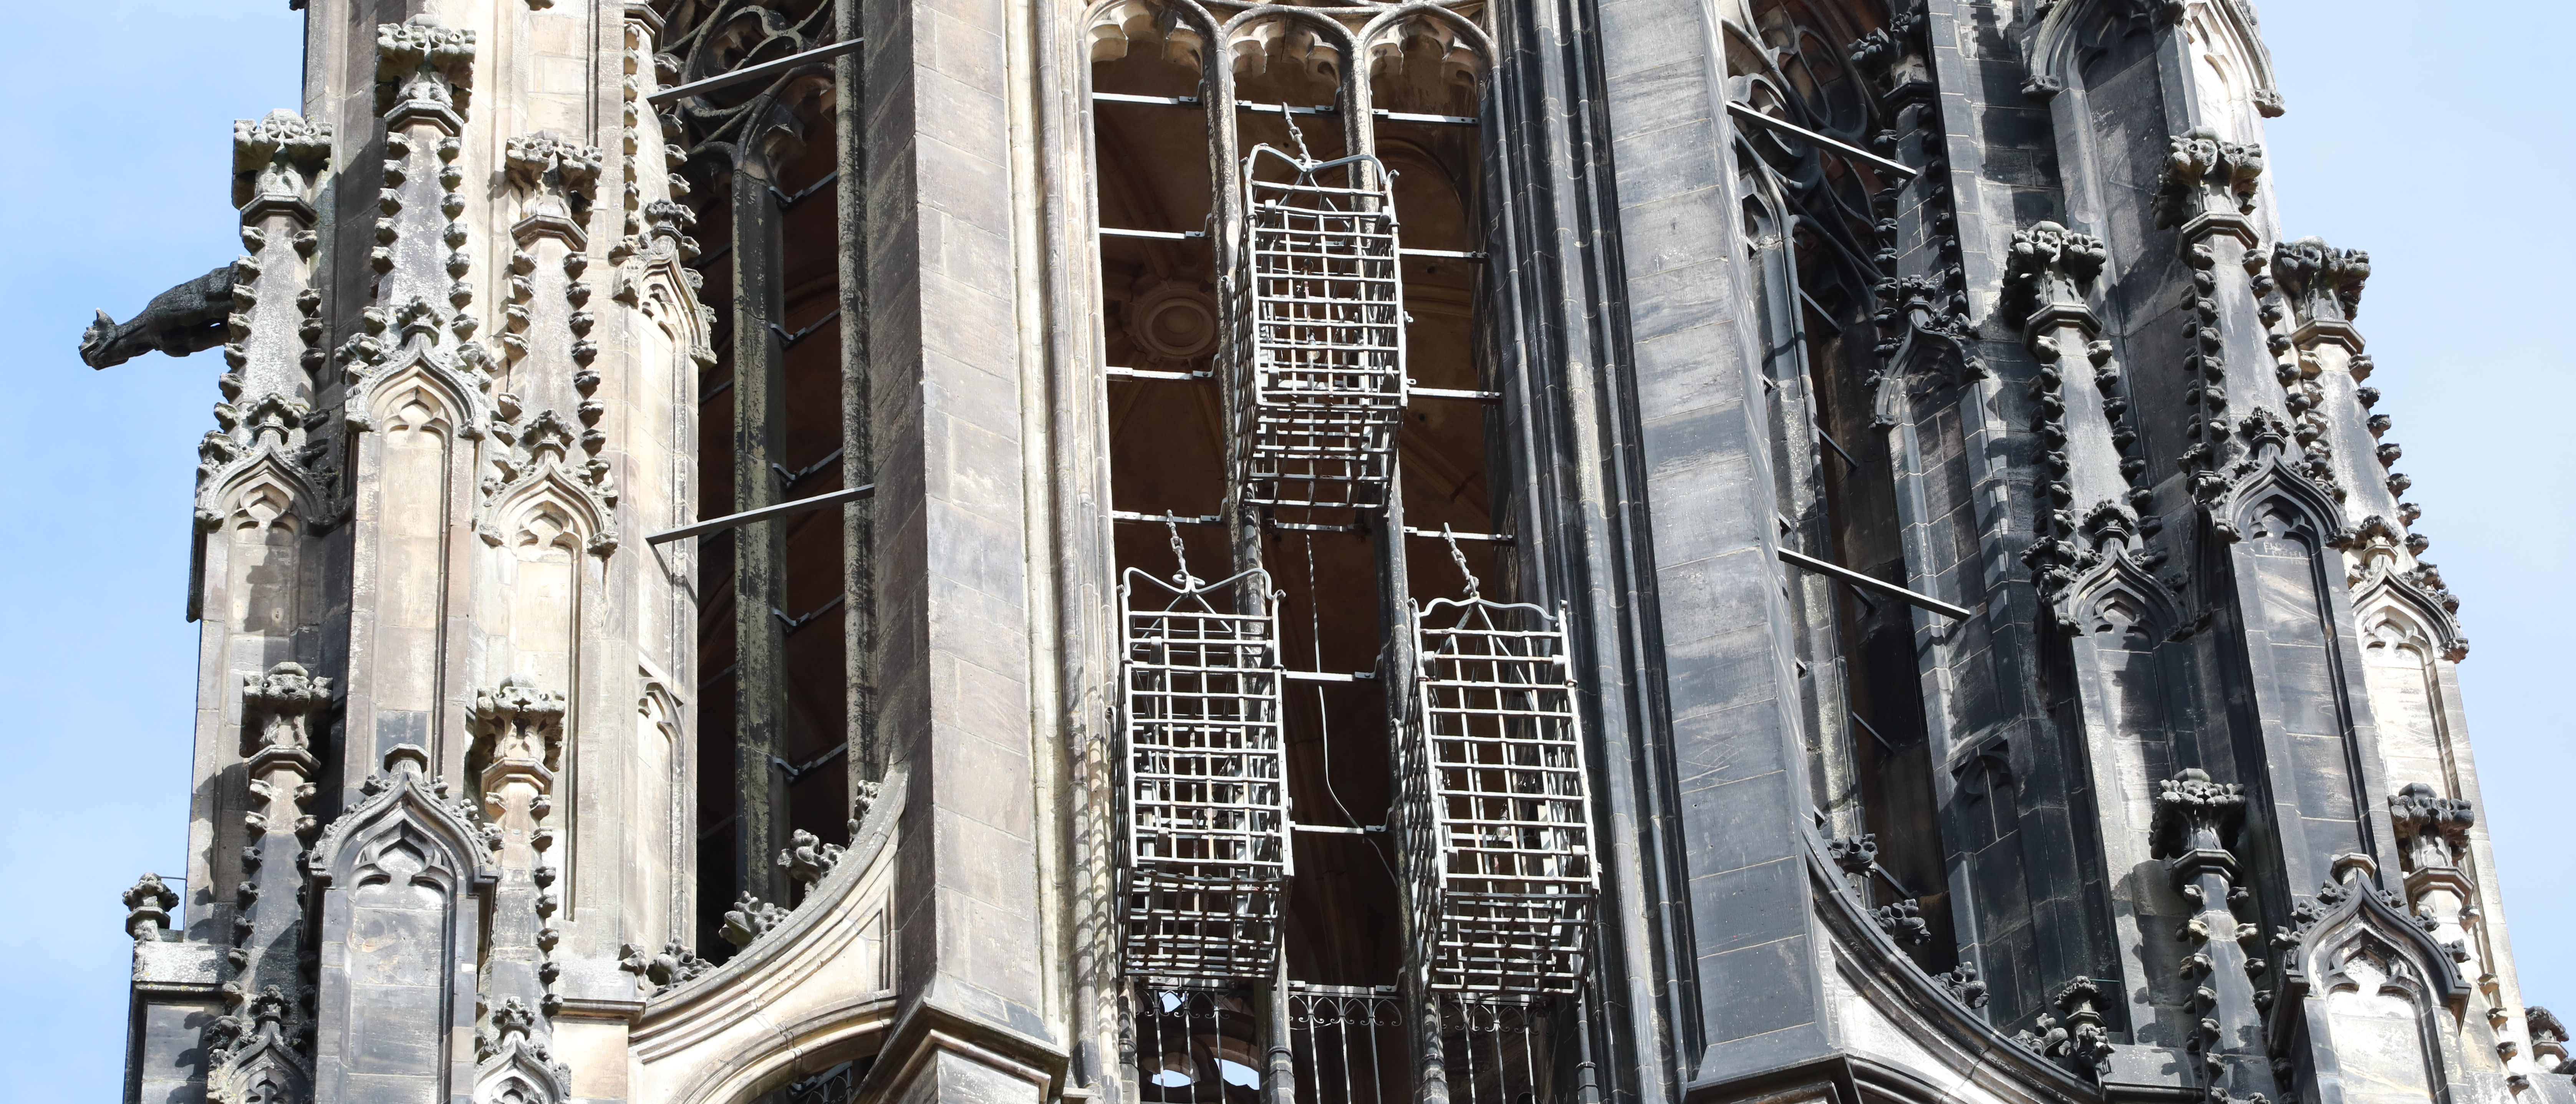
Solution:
(816, 990)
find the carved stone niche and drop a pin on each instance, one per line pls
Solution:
(401, 879)
(253, 1058)
(2370, 1007)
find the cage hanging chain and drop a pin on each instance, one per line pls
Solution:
(1459, 558)
(1180, 554)
(1297, 134)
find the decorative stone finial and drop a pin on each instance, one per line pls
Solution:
(147, 908)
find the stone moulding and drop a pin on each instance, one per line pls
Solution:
(771, 1013)
(1867, 959)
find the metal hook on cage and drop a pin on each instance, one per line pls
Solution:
(1180, 554)
(1459, 558)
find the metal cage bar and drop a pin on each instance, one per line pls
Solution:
(1318, 335)
(1497, 827)
(1193, 1044)
(1347, 1043)
(1207, 856)
(1493, 1050)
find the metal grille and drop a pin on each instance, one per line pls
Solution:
(1319, 340)
(1348, 1044)
(1207, 819)
(1492, 1050)
(1192, 1045)
(837, 1085)
(1505, 884)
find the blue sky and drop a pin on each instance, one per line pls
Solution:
(116, 187)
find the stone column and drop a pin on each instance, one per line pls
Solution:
(759, 551)
(950, 202)
(2197, 821)
(519, 730)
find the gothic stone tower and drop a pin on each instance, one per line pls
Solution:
(1149, 551)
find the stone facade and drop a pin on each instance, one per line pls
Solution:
(1477, 550)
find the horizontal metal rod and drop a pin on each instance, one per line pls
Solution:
(788, 202)
(1898, 168)
(1338, 830)
(1146, 373)
(1892, 883)
(766, 68)
(764, 513)
(1284, 109)
(1837, 446)
(1160, 101)
(795, 477)
(795, 772)
(1865, 726)
(1327, 109)
(788, 340)
(1158, 519)
(1414, 117)
(1328, 676)
(1866, 582)
(795, 623)
(1445, 254)
(1447, 393)
(1813, 305)
(1166, 235)
(1434, 534)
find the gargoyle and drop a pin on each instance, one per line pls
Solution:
(185, 319)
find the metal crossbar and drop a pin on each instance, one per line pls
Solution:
(1208, 860)
(1497, 823)
(1318, 336)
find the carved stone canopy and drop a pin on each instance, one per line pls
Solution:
(2208, 181)
(275, 160)
(2196, 821)
(2432, 830)
(423, 68)
(2322, 282)
(278, 704)
(2047, 274)
(521, 726)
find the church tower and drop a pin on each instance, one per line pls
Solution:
(1210, 552)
